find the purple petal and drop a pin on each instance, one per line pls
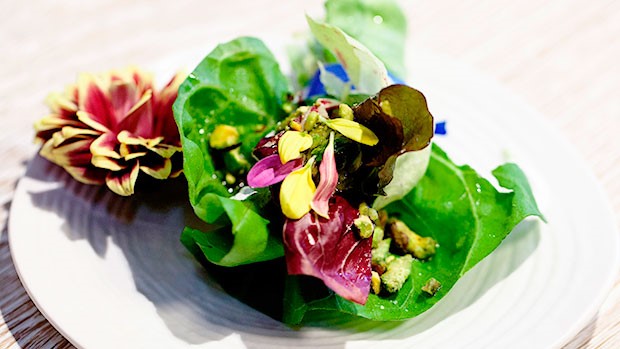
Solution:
(270, 170)
(327, 182)
(330, 250)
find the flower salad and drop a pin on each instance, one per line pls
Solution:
(331, 197)
(345, 188)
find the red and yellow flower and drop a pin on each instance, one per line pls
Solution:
(108, 128)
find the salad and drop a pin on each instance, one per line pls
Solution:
(320, 193)
(333, 198)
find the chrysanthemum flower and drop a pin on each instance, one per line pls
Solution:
(110, 127)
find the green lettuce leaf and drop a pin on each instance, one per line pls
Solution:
(239, 84)
(467, 216)
(380, 25)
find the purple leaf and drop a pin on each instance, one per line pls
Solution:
(330, 250)
(270, 170)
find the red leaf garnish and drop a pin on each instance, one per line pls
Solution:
(330, 250)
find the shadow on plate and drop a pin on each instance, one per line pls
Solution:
(195, 302)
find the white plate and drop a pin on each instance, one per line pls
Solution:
(112, 273)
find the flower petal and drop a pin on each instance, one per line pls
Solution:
(139, 120)
(159, 169)
(123, 96)
(105, 145)
(353, 130)
(75, 153)
(270, 170)
(95, 103)
(297, 191)
(292, 143)
(107, 163)
(327, 181)
(87, 175)
(126, 137)
(162, 109)
(123, 182)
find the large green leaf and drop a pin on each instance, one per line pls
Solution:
(378, 24)
(467, 216)
(240, 84)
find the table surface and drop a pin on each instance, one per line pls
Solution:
(562, 57)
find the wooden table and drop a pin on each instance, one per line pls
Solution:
(562, 57)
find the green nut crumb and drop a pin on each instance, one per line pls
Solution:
(381, 252)
(223, 136)
(432, 286)
(377, 236)
(345, 112)
(398, 271)
(410, 242)
(230, 179)
(364, 226)
(375, 282)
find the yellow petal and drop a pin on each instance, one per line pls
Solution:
(161, 170)
(291, 144)
(353, 130)
(297, 191)
(106, 163)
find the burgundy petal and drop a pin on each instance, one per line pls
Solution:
(139, 120)
(270, 170)
(267, 146)
(95, 102)
(330, 250)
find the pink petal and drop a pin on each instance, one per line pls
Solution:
(327, 182)
(270, 170)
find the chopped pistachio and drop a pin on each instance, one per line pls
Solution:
(235, 162)
(382, 219)
(377, 236)
(364, 226)
(432, 286)
(363, 208)
(381, 252)
(345, 112)
(373, 214)
(224, 136)
(368, 211)
(398, 270)
(311, 120)
(410, 242)
(230, 179)
(375, 282)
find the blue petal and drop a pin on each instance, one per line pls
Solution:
(440, 128)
